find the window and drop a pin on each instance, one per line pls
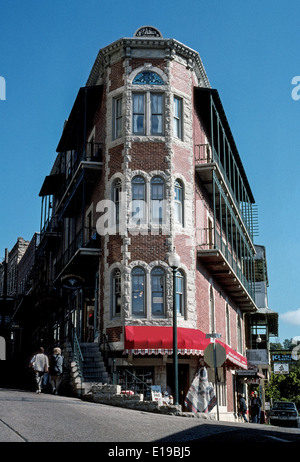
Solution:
(117, 117)
(227, 324)
(158, 291)
(148, 106)
(147, 113)
(116, 293)
(157, 198)
(211, 310)
(138, 112)
(138, 200)
(156, 114)
(177, 120)
(178, 206)
(117, 188)
(239, 334)
(148, 78)
(138, 291)
(180, 292)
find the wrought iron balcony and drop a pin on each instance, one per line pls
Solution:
(81, 249)
(76, 166)
(230, 263)
(208, 161)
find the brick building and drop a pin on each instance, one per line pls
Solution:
(147, 165)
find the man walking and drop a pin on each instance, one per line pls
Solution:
(40, 364)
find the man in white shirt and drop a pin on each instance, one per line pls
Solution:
(40, 364)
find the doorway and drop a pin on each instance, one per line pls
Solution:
(183, 381)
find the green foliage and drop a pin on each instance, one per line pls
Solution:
(283, 387)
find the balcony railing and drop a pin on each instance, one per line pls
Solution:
(205, 155)
(242, 265)
(89, 157)
(91, 152)
(86, 238)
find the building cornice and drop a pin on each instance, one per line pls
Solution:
(171, 47)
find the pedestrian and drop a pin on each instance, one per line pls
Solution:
(243, 407)
(255, 408)
(40, 365)
(56, 369)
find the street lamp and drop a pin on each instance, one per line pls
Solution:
(174, 262)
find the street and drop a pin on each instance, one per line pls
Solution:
(30, 417)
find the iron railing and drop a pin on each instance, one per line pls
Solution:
(206, 154)
(86, 237)
(241, 263)
(130, 382)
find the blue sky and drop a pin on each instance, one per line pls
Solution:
(250, 51)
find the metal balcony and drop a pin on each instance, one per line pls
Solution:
(80, 255)
(233, 273)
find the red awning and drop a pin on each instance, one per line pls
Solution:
(159, 340)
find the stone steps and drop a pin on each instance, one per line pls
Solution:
(94, 370)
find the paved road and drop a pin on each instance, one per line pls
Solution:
(30, 417)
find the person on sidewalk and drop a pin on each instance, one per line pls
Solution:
(255, 408)
(40, 365)
(243, 407)
(56, 369)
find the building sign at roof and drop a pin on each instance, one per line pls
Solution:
(147, 31)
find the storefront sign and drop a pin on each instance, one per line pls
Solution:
(281, 368)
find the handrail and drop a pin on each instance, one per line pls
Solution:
(134, 380)
(77, 354)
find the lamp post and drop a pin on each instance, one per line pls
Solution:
(174, 262)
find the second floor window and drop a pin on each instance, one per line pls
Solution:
(138, 291)
(178, 202)
(180, 292)
(158, 291)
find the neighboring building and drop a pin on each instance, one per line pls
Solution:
(9, 286)
(263, 324)
(146, 165)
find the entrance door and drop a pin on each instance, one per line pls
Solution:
(89, 328)
(183, 381)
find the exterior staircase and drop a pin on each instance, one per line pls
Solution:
(93, 370)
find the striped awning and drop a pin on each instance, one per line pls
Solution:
(147, 340)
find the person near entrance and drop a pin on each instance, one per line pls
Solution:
(243, 407)
(56, 369)
(255, 408)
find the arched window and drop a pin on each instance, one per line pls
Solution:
(138, 200)
(178, 202)
(138, 291)
(116, 293)
(147, 105)
(158, 292)
(157, 200)
(180, 292)
(148, 78)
